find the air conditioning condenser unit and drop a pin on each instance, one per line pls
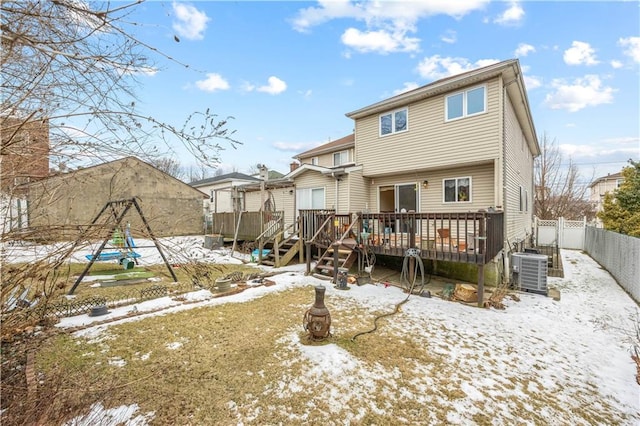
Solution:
(530, 272)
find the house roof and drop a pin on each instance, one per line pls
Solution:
(614, 176)
(108, 164)
(272, 174)
(224, 178)
(509, 70)
(344, 142)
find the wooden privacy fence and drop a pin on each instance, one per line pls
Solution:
(249, 225)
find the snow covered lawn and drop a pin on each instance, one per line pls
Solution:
(539, 361)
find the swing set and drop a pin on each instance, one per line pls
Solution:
(120, 240)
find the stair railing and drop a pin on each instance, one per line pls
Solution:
(310, 242)
(271, 232)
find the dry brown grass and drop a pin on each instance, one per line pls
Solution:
(238, 363)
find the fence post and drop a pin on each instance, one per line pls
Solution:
(560, 232)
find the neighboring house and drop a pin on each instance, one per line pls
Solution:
(72, 200)
(235, 192)
(459, 144)
(24, 157)
(25, 151)
(222, 194)
(600, 187)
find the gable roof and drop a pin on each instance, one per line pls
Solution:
(509, 70)
(224, 178)
(111, 164)
(342, 143)
(271, 174)
(614, 176)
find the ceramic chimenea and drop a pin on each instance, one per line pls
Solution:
(317, 319)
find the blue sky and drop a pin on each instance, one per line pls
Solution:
(289, 71)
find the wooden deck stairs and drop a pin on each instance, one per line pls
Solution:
(281, 251)
(346, 256)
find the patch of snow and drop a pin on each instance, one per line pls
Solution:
(173, 345)
(117, 362)
(123, 415)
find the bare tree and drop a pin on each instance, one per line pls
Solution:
(170, 166)
(254, 169)
(558, 189)
(76, 64)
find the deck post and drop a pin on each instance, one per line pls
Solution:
(336, 261)
(482, 245)
(308, 244)
(481, 285)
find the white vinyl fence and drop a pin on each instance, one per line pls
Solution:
(619, 254)
(566, 234)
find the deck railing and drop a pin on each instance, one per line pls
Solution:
(470, 237)
(248, 226)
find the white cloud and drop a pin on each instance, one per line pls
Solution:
(584, 92)
(523, 50)
(436, 67)
(387, 23)
(380, 41)
(512, 16)
(532, 82)
(450, 36)
(306, 93)
(631, 47)
(295, 146)
(274, 86)
(247, 87)
(616, 64)
(377, 13)
(406, 87)
(212, 83)
(190, 22)
(580, 53)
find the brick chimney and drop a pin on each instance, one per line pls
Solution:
(294, 165)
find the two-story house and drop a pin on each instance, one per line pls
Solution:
(600, 187)
(222, 192)
(460, 144)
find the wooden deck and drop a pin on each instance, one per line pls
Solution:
(471, 237)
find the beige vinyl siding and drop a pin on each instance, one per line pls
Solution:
(430, 200)
(311, 179)
(519, 173)
(282, 198)
(431, 141)
(342, 192)
(326, 160)
(358, 194)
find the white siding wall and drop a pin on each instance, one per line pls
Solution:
(430, 141)
(518, 173)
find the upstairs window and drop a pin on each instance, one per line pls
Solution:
(340, 158)
(314, 161)
(465, 104)
(457, 190)
(393, 122)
